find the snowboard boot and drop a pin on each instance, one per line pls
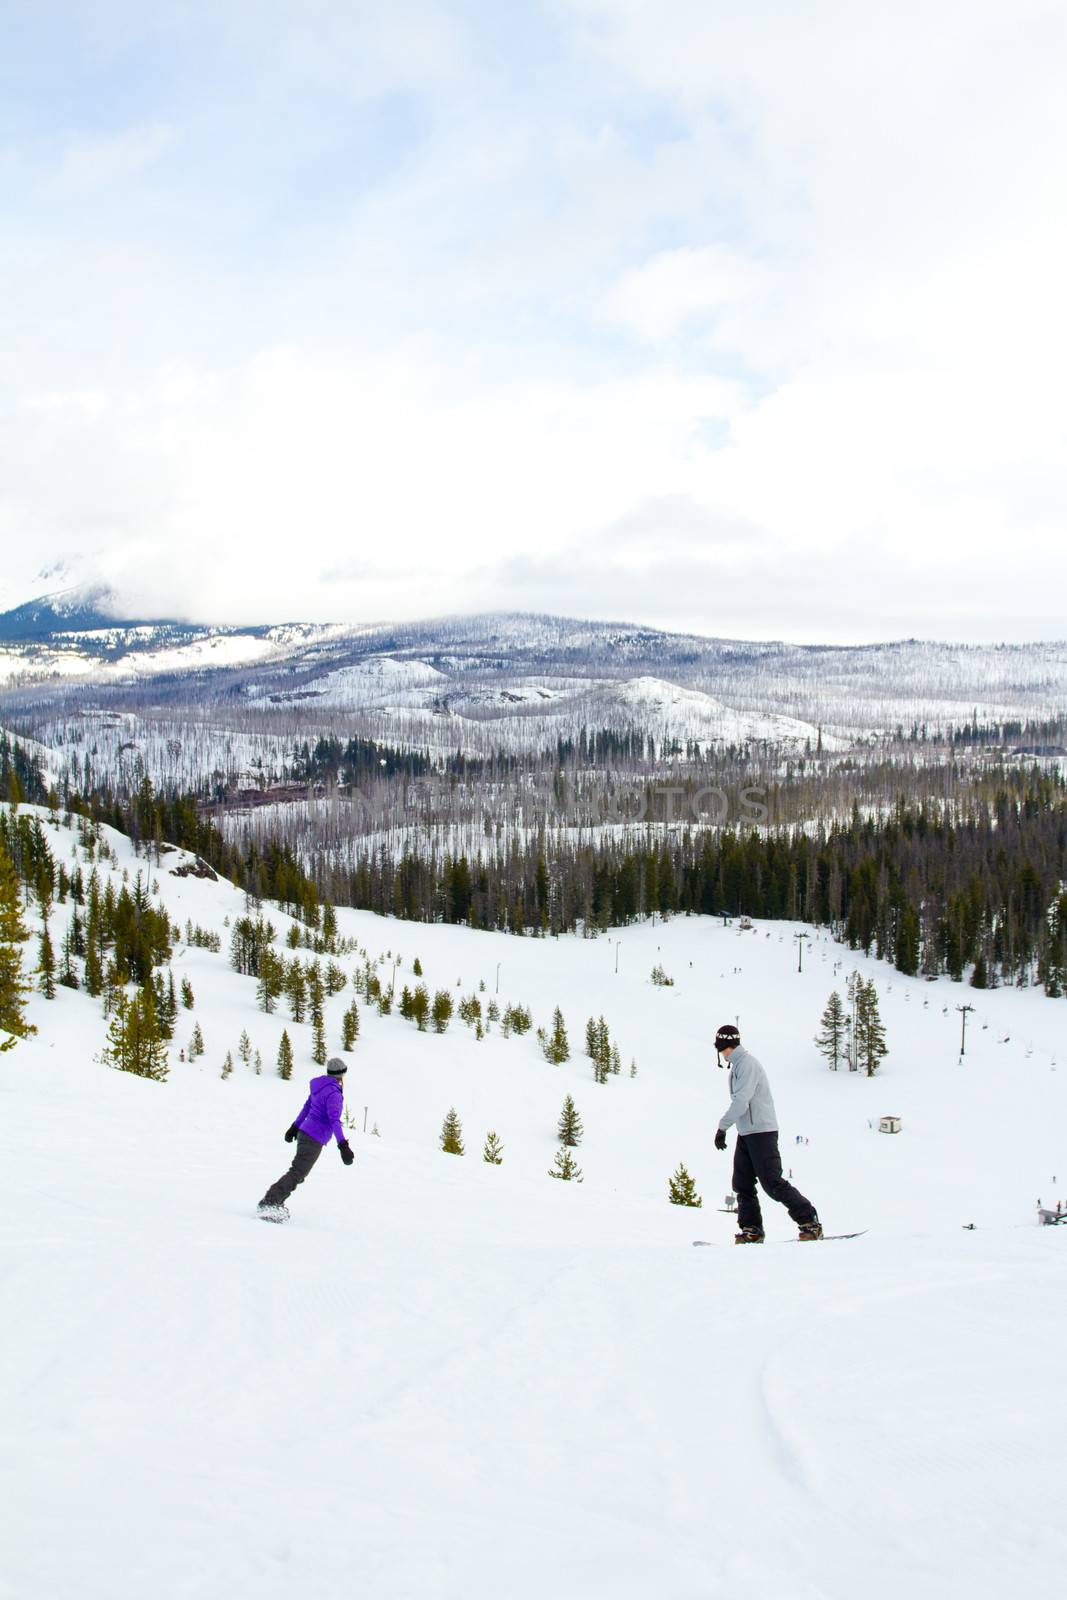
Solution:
(273, 1213)
(749, 1236)
(809, 1230)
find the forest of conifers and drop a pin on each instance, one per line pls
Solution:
(978, 892)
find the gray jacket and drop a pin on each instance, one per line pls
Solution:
(751, 1106)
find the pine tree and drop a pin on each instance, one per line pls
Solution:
(244, 1048)
(833, 1024)
(318, 1036)
(600, 1040)
(556, 1047)
(350, 1027)
(683, 1191)
(569, 1130)
(227, 1065)
(870, 1034)
(296, 988)
(853, 992)
(94, 967)
(196, 1043)
(270, 980)
(133, 1039)
(46, 963)
(188, 1000)
(257, 1063)
(442, 1010)
(452, 1134)
(565, 1167)
(67, 975)
(285, 1057)
(420, 1007)
(494, 1150)
(417, 967)
(590, 1038)
(14, 988)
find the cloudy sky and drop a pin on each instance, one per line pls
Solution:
(739, 316)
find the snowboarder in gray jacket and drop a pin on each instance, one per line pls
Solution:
(751, 1111)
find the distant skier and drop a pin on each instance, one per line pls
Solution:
(318, 1122)
(756, 1152)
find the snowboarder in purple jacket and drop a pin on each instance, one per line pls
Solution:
(319, 1122)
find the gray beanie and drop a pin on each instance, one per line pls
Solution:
(336, 1067)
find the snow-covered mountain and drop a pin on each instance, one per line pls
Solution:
(453, 1378)
(485, 683)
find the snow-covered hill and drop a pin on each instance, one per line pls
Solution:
(482, 684)
(453, 1379)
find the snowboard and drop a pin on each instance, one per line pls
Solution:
(273, 1214)
(825, 1238)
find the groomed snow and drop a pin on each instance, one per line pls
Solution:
(454, 1380)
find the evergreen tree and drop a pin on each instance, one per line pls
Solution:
(870, 1034)
(853, 992)
(420, 1007)
(161, 1000)
(46, 963)
(133, 1039)
(285, 1057)
(452, 1134)
(833, 1028)
(296, 988)
(494, 1150)
(188, 1000)
(257, 1063)
(350, 1027)
(569, 1131)
(244, 1048)
(270, 980)
(67, 975)
(227, 1065)
(565, 1167)
(442, 1010)
(683, 1191)
(417, 967)
(318, 1036)
(556, 1047)
(590, 1038)
(196, 1043)
(14, 988)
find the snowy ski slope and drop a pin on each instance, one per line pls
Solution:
(450, 1379)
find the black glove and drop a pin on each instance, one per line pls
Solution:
(720, 1138)
(291, 1133)
(346, 1152)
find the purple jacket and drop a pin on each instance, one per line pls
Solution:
(321, 1115)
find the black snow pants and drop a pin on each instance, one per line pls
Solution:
(308, 1151)
(756, 1156)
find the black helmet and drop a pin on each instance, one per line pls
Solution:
(727, 1037)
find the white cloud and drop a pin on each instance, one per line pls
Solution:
(676, 287)
(114, 158)
(837, 234)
